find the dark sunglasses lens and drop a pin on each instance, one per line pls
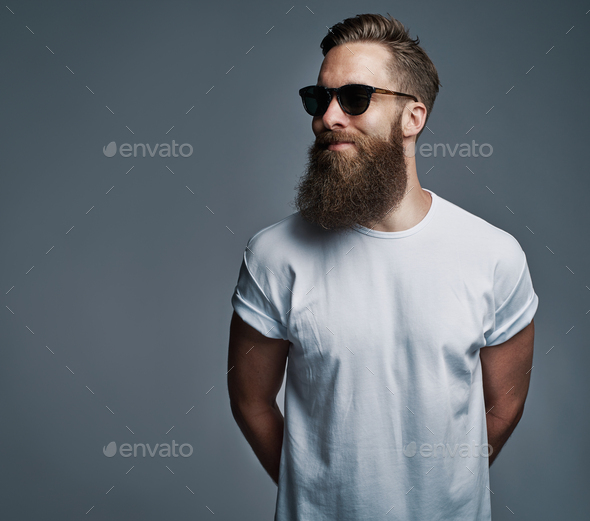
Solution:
(315, 101)
(355, 100)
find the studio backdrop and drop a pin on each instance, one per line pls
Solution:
(144, 143)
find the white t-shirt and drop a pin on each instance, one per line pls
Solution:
(384, 408)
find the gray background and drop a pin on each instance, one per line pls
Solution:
(133, 296)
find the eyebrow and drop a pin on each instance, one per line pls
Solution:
(350, 82)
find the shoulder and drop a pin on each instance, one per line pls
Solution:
(284, 240)
(480, 236)
(273, 258)
(284, 229)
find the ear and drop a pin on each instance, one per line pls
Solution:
(413, 118)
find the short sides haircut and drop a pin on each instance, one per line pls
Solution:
(410, 66)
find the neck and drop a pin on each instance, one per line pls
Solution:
(413, 207)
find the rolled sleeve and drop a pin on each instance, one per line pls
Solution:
(254, 307)
(515, 311)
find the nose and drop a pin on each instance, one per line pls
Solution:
(335, 117)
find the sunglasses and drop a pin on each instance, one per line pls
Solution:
(353, 99)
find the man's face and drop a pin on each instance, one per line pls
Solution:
(356, 172)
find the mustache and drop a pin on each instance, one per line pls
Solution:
(326, 138)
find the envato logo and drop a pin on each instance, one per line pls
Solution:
(464, 149)
(464, 450)
(126, 450)
(163, 150)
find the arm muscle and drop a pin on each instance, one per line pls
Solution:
(256, 367)
(506, 376)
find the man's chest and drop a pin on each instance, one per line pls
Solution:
(398, 312)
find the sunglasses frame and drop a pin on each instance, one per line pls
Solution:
(368, 89)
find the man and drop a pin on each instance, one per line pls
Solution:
(407, 321)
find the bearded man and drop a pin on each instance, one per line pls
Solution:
(407, 321)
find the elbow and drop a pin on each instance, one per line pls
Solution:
(518, 415)
(248, 409)
(510, 417)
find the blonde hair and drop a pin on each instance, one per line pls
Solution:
(410, 66)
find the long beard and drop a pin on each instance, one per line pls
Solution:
(341, 188)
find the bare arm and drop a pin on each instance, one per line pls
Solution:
(506, 376)
(256, 366)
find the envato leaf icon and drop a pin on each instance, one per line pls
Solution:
(409, 451)
(110, 450)
(110, 150)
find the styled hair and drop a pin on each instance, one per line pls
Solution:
(411, 67)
